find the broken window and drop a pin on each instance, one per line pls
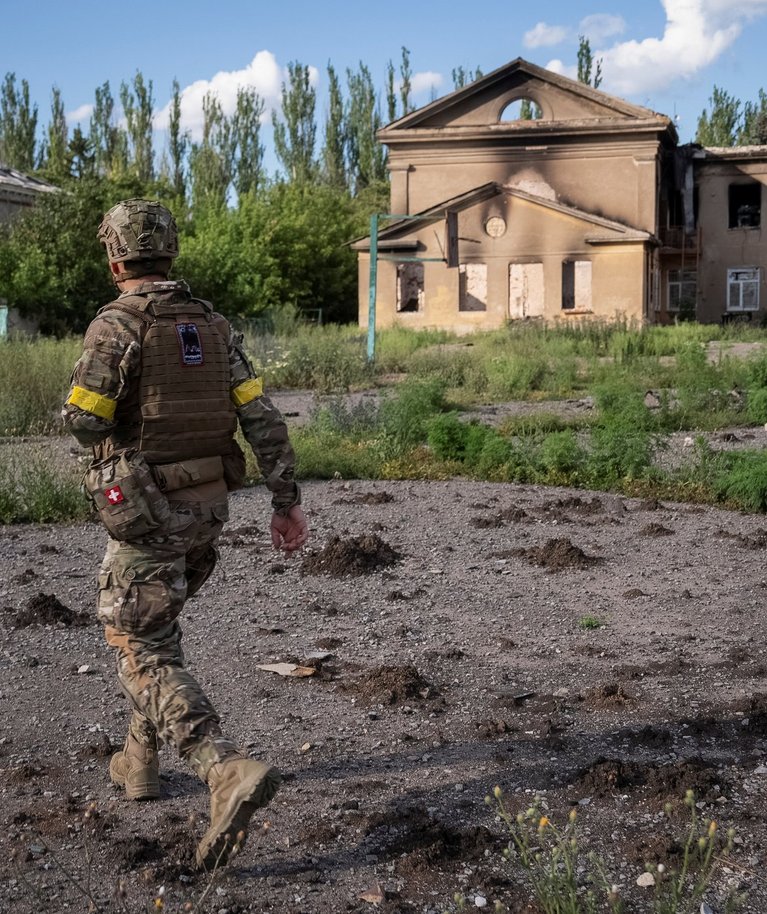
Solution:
(743, 289)
(745, 205)
(410, 287)
(472, 279)
(682, 291)
(576, 285)
(525, 290)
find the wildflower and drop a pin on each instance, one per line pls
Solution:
(497, 792)
(661, 868)
(573, 815)
(543, 822)
(159, 904)
(712, 828)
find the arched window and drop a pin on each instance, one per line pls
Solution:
(522, 109)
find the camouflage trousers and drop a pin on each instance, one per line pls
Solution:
(143, 585)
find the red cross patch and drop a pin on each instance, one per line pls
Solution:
(114, 495)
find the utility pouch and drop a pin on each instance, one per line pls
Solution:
(126, 495)
(234, 468)
(186, 473)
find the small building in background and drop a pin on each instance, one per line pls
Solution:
(568, 203)
(18, 192)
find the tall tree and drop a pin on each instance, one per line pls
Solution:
(391, 93)
(295, 131)
(138, 107)
(246, 141)
(178, 143)
(334, 147)
(56, 165)
(81, 159)
(589, 71)
(211, 162)
(405, 84)
(18, 125)
(108, 141)
(462, 77)
(367, 160)
(719, 125)
(753, 130)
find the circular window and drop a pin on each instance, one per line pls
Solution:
(495, 226)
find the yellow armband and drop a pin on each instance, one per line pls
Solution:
(247, 391)
(90, 402)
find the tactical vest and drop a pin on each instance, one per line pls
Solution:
(180, 406)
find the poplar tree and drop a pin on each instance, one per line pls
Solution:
(589, 71)
(211, 162)
(246, 141)
(138, 107)
(405, 85)
(295, 131)
(391, 93)
(108, 142)
(720, 126)
(178, 144)
(334, 148)
(367, 159)
(55, 164)
(462, 77)
(18, 125)
(753, 131)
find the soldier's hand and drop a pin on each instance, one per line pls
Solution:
(291, 531)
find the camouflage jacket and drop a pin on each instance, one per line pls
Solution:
(110, 366)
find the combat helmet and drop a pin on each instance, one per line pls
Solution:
(138, 230)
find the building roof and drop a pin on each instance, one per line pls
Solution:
(18, 187)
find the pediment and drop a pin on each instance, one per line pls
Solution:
(483, 103)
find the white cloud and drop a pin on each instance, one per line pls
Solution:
(79, 115)
(559, 66)
(262, 74)
(545, 36)
(599, 26)
(426, 81)
(697, 32)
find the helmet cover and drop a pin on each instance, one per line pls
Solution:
(138, 230)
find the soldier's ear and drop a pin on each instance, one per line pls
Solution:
(116, 268)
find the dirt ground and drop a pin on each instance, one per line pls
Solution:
(446, 629)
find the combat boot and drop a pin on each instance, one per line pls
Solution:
(136, 768)
(238, 787)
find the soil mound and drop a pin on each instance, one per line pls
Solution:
(655, 530)
(353, 556)
(366, 498)
(47, 609)
(576, 504)
(557, 554)
(606, 697)
(392, 685)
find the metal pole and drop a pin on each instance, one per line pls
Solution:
(372, 288)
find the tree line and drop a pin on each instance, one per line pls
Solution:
(251, 241)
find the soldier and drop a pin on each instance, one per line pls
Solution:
(157, 392)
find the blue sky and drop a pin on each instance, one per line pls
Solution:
(665, 55)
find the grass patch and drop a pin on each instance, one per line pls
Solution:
(34, 490)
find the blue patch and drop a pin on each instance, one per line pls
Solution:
(191, 344)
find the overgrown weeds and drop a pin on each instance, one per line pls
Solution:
(33, 489)
(564, 877)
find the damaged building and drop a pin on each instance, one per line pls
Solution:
(588, 209)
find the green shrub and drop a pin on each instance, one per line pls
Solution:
(34, 379)
(742, 480)
(561, 454)
(756, 405)
(404, 416)
(32, 489)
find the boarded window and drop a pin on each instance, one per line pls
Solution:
(525, 290)
(472, 279)
(410, 287)
(745, 205)
(576, 285)
(743, 289)
(682, 291)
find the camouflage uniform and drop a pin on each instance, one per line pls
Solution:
(144, 582)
